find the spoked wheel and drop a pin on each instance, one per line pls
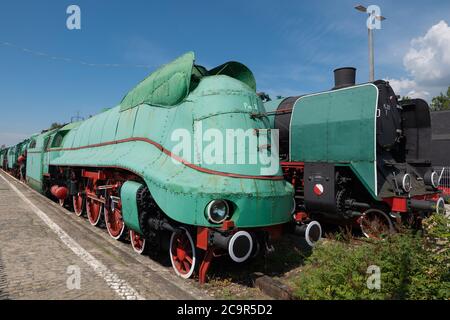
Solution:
(94, 211)
(182, 253)
(78, 204)
(114, 220)
(137, 242)
(375, 224)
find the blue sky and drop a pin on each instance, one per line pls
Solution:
(291, 46)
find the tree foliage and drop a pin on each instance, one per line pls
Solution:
(55, 125)
(441, 102)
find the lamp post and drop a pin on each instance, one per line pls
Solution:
(372, 14)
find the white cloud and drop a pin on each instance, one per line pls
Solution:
(428, 59)
(428, 63)
(409, 88)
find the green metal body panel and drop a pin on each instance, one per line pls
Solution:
(47, 156)
(37, 163)
(12, 156)
(218, 102)
(167, 86)
(338, 127)
(55, 143)
(237, 71)
(272, 106)
(129, 205)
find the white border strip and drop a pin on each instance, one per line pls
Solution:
(119, 286)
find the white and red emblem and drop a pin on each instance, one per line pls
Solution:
(318, 189)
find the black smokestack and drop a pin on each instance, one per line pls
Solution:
(344, 77)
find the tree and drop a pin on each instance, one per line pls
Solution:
(55, 125)
(441, 102)
(264, 97)
(406, 99)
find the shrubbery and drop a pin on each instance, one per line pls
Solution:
(412, 265)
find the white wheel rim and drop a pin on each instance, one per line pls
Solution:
(109, 231)
(391, 226)
(194, 256)
(88, 209)
(78, 213)
(440, 201)
(137, 250)
(294, 203)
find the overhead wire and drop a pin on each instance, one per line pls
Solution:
(71, 60)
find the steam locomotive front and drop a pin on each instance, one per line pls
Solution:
(406, 179)
(357, 155)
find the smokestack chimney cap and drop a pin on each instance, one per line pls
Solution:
(344, 77)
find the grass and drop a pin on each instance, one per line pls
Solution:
(412, 266)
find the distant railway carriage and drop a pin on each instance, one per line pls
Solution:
(119, 167)
(357, 156)
(3, 157)
(38, 160)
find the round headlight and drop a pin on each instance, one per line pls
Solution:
(217, 211)
(406, 182)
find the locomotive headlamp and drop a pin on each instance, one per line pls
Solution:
(406, 182)
(217, 211)
(432, 178)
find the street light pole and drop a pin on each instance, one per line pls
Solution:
(371, 45)
(371, 57)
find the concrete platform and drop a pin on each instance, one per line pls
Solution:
(43, 249)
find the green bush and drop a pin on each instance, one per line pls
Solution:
(412, 266)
